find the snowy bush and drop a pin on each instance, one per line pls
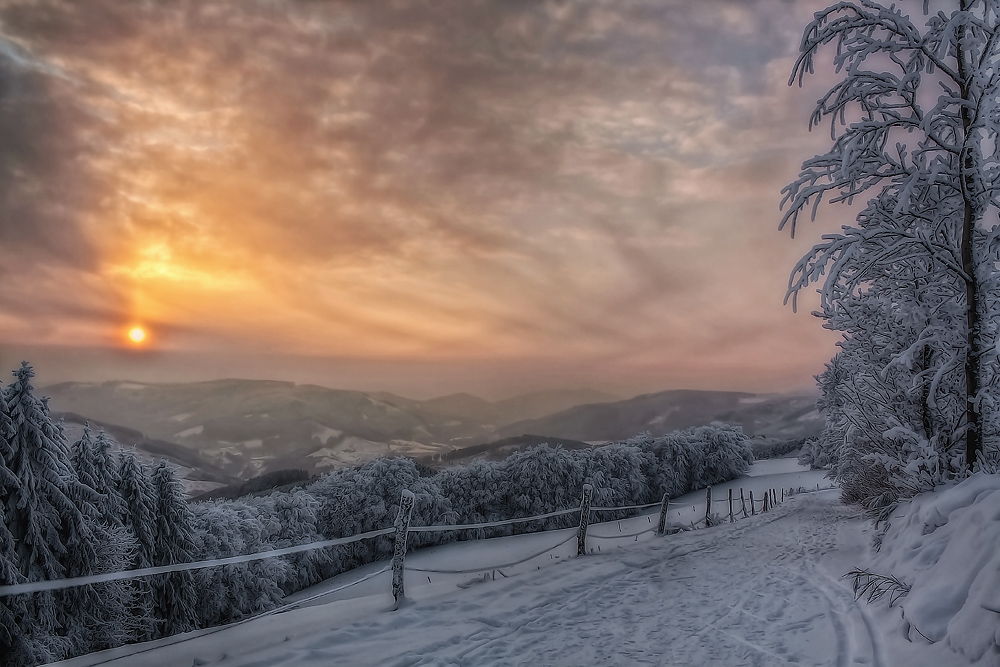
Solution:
(230, 592)
(290, 519)
(366, 498)
(694, 458)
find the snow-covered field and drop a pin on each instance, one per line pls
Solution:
(767, 590)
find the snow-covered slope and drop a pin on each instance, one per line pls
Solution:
(768, 590)
(946, 546)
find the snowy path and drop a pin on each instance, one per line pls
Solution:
(763, 591)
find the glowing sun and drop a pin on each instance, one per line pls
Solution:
(137, 335)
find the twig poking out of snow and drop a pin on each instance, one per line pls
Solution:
(875, 586)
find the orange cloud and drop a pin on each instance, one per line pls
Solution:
(584, 181)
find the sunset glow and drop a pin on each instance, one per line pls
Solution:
(136, 335)
(592, 187)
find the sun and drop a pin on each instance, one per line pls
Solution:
(137, 335)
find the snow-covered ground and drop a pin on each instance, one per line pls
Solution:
(766, 590)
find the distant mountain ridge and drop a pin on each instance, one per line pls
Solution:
(239, 429)
(244, 428)
(780, 417)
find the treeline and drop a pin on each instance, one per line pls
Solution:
(75, 509)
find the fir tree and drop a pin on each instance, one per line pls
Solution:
(107, 481)
(139, 505)
(48, 514)
(174, 595)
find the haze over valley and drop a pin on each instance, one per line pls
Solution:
(229, 430)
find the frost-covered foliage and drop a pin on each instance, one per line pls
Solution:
(366, 498)
(174, 596)
(231, 592)
(908, 399)
(50, 527)
(291, 519)
(817, 454)
(694, 458)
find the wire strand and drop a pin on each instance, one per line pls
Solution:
(620, 536)
(492, 567)
(629, 507)
(490, 524)
(70, 582)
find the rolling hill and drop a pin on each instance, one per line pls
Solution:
(228, 430)
(776, 416)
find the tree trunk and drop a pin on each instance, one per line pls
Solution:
(970, 186)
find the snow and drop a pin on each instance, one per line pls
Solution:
(324, 433)
(944, 545)
(131, 386)
(773, 466)
(766, 590)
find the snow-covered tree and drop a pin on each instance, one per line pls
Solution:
(107, 478)
(51, 529)
(231, 592)
(913, 120)
(83, 458)
(290, 519)
(139, 517)
(174, 596)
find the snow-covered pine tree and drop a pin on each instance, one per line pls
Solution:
(173, 595)
(50, 516)
(83, 458)
(108, 480)
(913, 116)
(17, 636)
(104, 611)
(139, 517)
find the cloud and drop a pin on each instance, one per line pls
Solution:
(406, 180)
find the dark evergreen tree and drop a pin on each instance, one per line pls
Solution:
(174, 595)
(139, 504)
(50, 516)
(108, 481)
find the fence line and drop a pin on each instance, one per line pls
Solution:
(491, 524)
(494, 567)
(627, 507)
(70, 582)
(621, 536)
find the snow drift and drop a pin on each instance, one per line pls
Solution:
(944, 545)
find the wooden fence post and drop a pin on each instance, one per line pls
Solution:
(708, 507)
(662, 527)
(782, 494)
(402, 525)
(730, 504)
(743, 503)
(753, 508)
(581, 543)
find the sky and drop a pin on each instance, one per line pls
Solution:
(421, 197)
